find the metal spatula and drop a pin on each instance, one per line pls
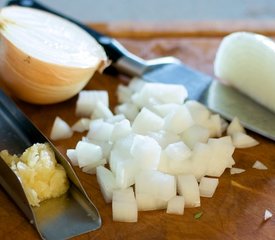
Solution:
(58, 218)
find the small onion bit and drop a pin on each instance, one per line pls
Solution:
(45, 59)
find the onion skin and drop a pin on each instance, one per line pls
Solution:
(35, 81)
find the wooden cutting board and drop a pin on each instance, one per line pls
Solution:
(237, 208)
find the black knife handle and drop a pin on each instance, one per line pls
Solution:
(112, 47)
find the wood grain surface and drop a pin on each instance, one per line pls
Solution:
(237, 208)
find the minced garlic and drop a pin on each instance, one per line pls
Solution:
(41, 176)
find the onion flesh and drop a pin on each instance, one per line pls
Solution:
(208, 186)
(235, 170)
(176, 205)
(267, 215)
(124, 206)
(246, 61)
(44, 58)
(60, 130)
(259, 165)
(163, 147)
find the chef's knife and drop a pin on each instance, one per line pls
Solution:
(226, 101)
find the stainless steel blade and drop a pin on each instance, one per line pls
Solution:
(225, 100)
(229, 102)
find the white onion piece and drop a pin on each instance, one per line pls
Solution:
(146, 152)
(100, 130)
(164, 138)
(106, 181)
(146, 202)
(246, 61)
(106, 146)
(164, 109)
(124, 206)
(147, 121)
(221, 151)
(101, 111)
(231, 162)
(235, 170)
(121, 129)
(44, 58)
(60, 130)
(81, 125)
(130, 110)
(71, 154)
(267, 215)
(178, 120)
(178, 155)
(259, 165)
(198, 111)
(235, 126)
(194, 134)
(124, 93)
(242, 140)
(162, 93)
(214, 125)
(188, 188)
(176, 205)
(136, 84)
(91, 168)
(87, 101)
(178, 151)
(200, 160)
(208, 186)
(115, 118)
(159, 186)
(88, 153)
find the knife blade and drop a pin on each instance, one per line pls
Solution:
(226, 101)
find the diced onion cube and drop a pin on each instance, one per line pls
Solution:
(87, 100)
(235, 126)
(178, 120)
(124, 206)
(101, 111)
(88, 153)
(71, 154)
(60, 130)
(208, 186)
(154, 189)
(188, 188)
(81, 125)
(106, 181)
(176, 205)
(147, 121)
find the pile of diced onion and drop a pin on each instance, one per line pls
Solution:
(158, 151)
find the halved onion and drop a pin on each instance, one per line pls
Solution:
(44, 58)
(246, 61)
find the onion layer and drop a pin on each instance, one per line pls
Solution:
(44, 58)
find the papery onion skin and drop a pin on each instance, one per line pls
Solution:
(40, 82)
